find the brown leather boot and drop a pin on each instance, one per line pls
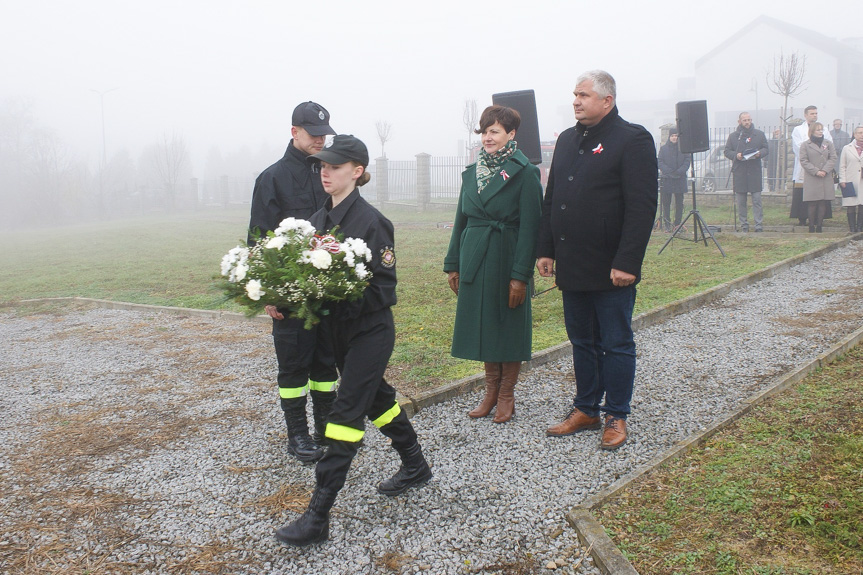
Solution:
(506, 398)
(576, 421)
(614, 434)
(492, 387)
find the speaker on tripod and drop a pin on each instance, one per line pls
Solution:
(693, 136)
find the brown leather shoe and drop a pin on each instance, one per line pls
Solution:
(614, 434)
(576, 421)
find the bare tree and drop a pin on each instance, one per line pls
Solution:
(787, 79)
(170, 159)
(470, 119)
(384, 130)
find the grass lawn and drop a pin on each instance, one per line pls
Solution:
(173, 259)
(778, 492)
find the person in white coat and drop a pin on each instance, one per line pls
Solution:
(851, 171)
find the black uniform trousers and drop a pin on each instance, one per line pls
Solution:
(363, 346)
(305, 357)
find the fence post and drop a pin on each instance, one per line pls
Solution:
(423, 181)
(382, 180)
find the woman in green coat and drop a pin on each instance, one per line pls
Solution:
(491, 258)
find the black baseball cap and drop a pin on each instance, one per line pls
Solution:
(342, 149)
(313, 118)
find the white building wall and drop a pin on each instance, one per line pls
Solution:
(727, 80)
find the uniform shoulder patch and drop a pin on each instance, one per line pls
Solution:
(388, 257)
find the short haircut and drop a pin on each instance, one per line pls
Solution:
(741, 114)
(807, 108)
(509, 118)
(603, 84)
(814, 126)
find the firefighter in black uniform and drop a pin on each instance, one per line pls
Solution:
(363, 336)
(292, 188)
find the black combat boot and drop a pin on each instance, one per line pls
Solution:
(300, 443)
(313, 526)
(322, 404)
(414, 471)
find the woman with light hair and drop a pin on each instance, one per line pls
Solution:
(851, 172)
(817, 159)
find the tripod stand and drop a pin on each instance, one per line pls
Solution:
(698, 223)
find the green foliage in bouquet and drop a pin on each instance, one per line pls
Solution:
(296, 269)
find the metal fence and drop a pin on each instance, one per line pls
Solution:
(437, 180)
(713, 169)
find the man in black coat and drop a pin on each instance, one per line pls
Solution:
(672, 179)
(598, 212)
(292, 188)
(745, 148)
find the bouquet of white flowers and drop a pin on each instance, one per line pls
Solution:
(297, 269)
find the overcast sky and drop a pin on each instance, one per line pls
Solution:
(228, 74)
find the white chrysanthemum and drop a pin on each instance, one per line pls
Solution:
(306, 257)
(237, 255)
(276, 242)
(361, 271)
(349, 257)
(253, 289)
(359, 247)
(321, 259)
(240, 272)
(227, 264)
(301, 227)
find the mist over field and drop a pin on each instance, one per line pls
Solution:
(119, 109)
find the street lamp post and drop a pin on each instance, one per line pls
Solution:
(104, 146)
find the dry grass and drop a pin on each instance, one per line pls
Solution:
(776, 493)
(289, 497)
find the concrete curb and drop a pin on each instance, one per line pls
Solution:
(590, 531)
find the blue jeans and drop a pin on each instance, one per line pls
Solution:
(599, 326)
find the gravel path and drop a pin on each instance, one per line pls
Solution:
(140, 442)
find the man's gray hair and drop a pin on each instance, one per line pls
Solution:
(603, 84)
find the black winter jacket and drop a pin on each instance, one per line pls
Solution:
(672, 168)
(289, 188)
(600, 203)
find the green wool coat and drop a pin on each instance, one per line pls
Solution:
(493, 241)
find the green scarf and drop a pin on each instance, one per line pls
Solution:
(487, 164)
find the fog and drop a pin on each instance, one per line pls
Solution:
(119, 81)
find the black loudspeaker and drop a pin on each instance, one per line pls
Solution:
(692, 125)
(527, 136)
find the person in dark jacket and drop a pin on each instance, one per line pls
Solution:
(672, 179)
(597, 216)
(292, 188)
(364, 336)
(490, 260)
(745, 148)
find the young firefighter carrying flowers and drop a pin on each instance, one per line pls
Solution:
(364, 337)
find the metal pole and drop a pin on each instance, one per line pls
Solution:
(104, 146)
